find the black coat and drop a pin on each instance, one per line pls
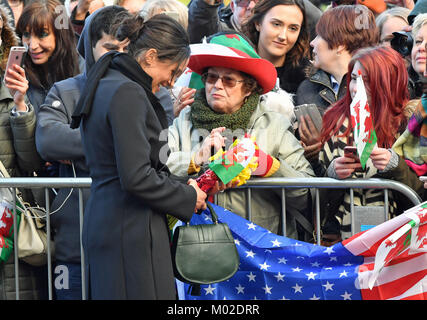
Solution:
(317, 89)
(290, 77)
(125, 233)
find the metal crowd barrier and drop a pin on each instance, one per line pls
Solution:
(282, 183)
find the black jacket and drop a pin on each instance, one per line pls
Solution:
(291, 77)
(317, 89)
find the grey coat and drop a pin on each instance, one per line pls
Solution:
(56, 141)
(125, 233)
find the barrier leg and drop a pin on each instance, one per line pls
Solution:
(352, 211)
(283, 212)
(49, 257)
(385, 204)
(15, 245)
(81, 244)
(249, 204)
(318, 222)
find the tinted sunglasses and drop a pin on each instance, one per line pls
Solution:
(227, 81)
(244, 3)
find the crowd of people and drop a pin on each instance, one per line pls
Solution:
(139, 95)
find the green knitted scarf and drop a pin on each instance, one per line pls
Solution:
(203, 117)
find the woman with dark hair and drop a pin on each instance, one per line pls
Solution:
(125, 232)
(52, 55)
(383, 72)
(19, 157)
(341, 31)
(279, 31)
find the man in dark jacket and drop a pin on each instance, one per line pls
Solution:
(204, 19)
(56, 141)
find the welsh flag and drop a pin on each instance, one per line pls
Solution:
(365, 137)
(6, 230)
(228, 165)
(387, 262)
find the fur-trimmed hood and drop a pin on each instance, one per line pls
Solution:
(8, 36)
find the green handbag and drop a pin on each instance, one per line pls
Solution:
(204, 254)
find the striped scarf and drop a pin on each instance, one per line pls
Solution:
(412, 144)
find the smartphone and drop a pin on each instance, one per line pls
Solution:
(351, 152)
(312, 111)
(16, 56)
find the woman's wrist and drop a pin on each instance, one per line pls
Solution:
(20, 106)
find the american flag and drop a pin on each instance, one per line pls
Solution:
(380, 263)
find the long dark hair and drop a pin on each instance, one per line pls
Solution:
(63, 63)
(160, 32)
(301, 47)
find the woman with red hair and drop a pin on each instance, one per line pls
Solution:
(385, 78)
(341, 31)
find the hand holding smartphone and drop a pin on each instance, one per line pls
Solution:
(16, 56)
(351, 152)
(15, 79)
(312, 111)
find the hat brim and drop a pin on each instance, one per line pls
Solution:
(262, 70)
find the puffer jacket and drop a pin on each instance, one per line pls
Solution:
(20, 159)
(274, 135)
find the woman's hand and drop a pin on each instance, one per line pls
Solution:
(215, 140)
(221, 187)
(310, 139)
(380, 158)
(201, 196)
(185, 98)
(17, 84)
(345, 166)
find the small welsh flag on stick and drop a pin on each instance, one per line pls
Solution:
(365, 137)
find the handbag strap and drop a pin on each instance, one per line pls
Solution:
(213, 213)
(18, 193)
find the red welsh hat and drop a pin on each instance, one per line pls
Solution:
(233, 52)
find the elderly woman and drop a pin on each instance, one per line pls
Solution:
(229, 106)
(418, 55)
